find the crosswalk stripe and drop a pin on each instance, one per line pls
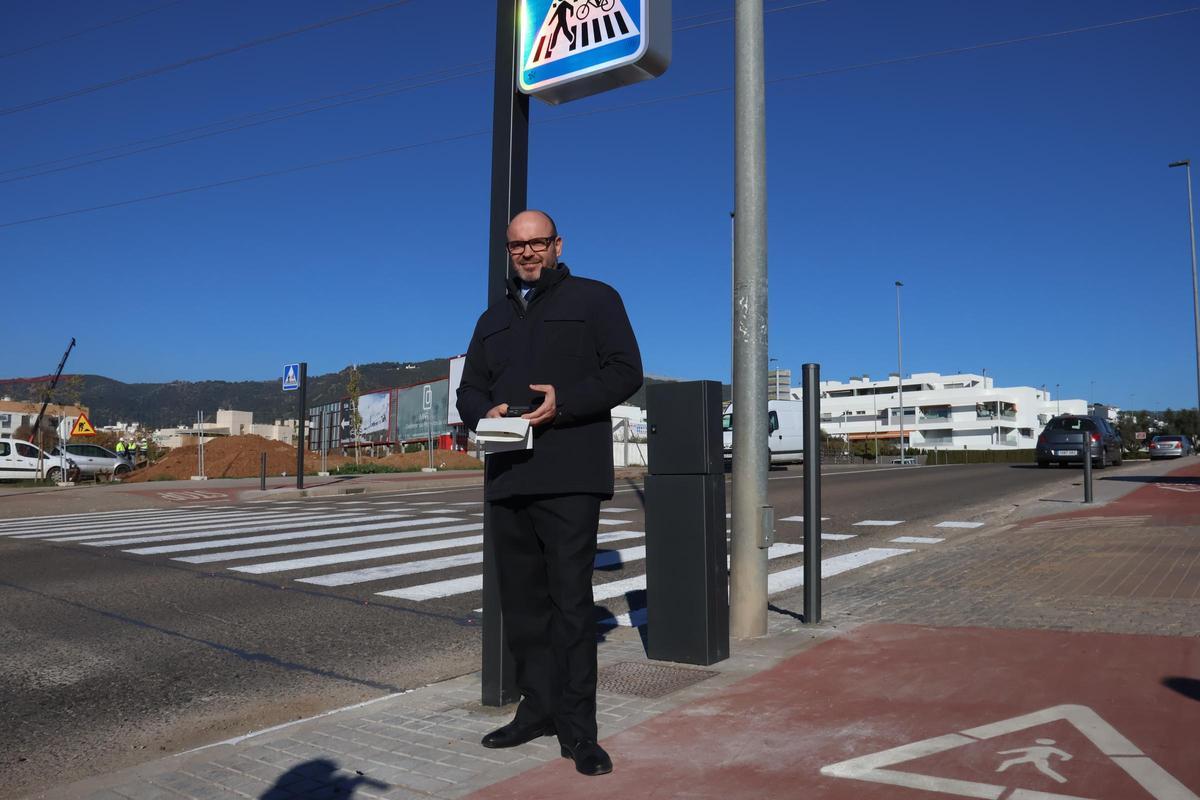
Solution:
(362, 555)
(880, 522)
(474, 583)
(209, 534)
(174, 524)
(216, 525)
(607, 591)
(616, 510)
(94, 515)
(219, 525)
(838, 537)
(261, 552)
(111, 522)
(410, 568)
(952, 524)
(918, 540)
(797, 518)
(792, 578)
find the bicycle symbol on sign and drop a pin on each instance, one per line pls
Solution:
(585, 7)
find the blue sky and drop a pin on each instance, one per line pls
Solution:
(1001, 185)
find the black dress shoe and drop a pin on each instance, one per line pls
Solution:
(514, 733)
(589, 757)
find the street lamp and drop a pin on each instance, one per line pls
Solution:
(1187, 165)
(900, 370)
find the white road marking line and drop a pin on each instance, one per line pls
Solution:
(118, 529)
(797, 518)
(468, 503)
(93, 515)
(425, 502)
(303, 547)
(918, 540)
(880, 522)
(217, 525)
(275, 526)
(362, 555)
(399, 570)
(616, 510)
(838, 537)
(359, 524)
(614, 522)
(477, 514)
(438, 511)
(791, 578)
(181, 516)
(607, 591)
(474, 583)
(959, 525)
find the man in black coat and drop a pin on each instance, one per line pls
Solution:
(563, 346)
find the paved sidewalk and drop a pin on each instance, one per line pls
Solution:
(1053, 657)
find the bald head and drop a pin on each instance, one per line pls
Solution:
(534, 229)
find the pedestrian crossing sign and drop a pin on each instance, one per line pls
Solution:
(575, 48)
(291, 377)
(83, 426)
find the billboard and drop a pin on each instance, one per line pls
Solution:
(374, 410)
(422, 410)
(456, 371)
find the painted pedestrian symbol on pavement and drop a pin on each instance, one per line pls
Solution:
(1037, 756)
(576, 26)
(875, 767)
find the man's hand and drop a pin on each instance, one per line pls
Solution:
(548, 410)
(498, 411)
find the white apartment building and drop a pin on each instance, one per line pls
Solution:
(940, 411)
(229, 423)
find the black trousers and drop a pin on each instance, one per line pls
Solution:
(545, 552)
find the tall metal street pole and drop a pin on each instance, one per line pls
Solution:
(510, 182)
(748, 556)
(1187, 165)
(900, 370)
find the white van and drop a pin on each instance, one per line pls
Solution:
(785, 426)
(19, 462)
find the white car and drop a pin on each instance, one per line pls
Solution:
(19, 461)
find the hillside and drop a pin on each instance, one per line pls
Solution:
(162, 405)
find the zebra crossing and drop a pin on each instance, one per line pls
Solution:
(415, 550)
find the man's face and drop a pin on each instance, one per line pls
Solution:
(529, 263)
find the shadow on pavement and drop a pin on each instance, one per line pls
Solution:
(1188, 687)
(321, 778)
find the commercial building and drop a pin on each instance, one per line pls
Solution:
(940, 411)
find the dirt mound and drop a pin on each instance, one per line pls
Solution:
(238, 457)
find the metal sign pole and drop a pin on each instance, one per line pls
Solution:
(748, 559)
(301, 415)
(510, 180)
(812, 494)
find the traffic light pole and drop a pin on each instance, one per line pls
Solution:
(510, 182)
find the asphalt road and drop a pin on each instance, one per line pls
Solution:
(109, 658)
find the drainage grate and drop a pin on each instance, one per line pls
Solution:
(651, 681)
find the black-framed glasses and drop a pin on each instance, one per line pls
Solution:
(538, 245)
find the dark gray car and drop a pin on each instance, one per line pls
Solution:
(95, 460)
(1060, 442)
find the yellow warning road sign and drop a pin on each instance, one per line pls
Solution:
(83, 427)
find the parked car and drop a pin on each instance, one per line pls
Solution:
(1170, 447)
(1060, 442)
(93, 460)
(22, 461)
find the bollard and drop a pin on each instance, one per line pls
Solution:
(262, 471)
(1087, 465)
(812, 493)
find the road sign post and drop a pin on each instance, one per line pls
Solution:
(295, 379)
(812, 494)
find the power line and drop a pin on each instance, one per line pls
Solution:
(50, 167)
(137, 76)
(250, 124)
(578, 115)
(101, 26)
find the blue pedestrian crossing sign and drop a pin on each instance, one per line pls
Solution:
(575, 48)
(291, 377)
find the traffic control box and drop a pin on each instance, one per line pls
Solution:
(687, 571)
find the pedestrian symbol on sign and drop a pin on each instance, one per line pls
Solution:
(291, 377)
